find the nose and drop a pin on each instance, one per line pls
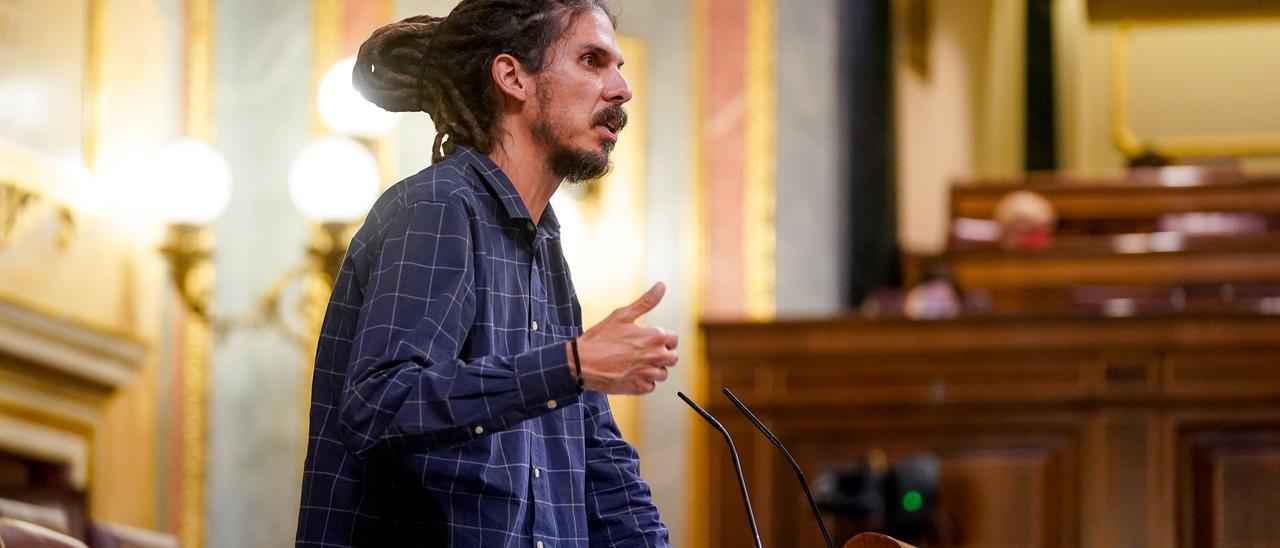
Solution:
(616, 89)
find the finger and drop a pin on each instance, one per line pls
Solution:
(660, 374)
(672, 359)
(640, 386)
(657, 336)
(670, 340)
(652, 373)
(644, 304)
(662, 358)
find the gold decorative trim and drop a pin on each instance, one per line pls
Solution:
(198, 123)
(1133, 145)
(199, 77)
(697, 476)
(23, 175)
(16, 211)
(760, 239)
(326, 32)
(92, 108)
(194, 403)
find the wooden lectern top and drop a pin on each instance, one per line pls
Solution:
(875, 540)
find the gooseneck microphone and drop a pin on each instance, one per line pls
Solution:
(794, 465)
(737, 465)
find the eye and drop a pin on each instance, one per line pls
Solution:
(589, 59)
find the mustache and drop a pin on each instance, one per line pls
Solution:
(614, 113)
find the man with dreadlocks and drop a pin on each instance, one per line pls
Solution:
(457, 401)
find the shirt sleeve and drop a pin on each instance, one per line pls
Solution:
(406, 390)
(620, 510)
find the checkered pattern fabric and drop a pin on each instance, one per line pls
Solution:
(443, 411)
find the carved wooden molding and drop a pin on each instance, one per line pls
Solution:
(47, 444)
(42, 416)
(61, 345)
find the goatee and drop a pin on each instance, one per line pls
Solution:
(580, 166)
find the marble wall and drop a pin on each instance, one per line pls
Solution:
(263, 94)
(812, 200)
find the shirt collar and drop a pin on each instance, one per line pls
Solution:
(501, 187)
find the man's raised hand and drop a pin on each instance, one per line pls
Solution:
(620, 357)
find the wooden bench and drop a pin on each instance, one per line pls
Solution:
(1128, 202)
(1108, 235)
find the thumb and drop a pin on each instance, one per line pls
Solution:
(644, 304)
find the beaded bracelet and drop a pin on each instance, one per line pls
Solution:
(577, 363)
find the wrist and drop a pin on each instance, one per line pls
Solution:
(575, 363)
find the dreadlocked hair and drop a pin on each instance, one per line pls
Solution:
(442, 65)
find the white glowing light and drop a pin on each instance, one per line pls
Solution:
(334, 179)
(189, 183)
(344, 111)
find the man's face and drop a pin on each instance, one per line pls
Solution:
(580, 93)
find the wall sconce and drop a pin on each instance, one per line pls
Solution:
(333, 182)
(189, 187)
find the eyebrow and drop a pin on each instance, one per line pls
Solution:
(593, 47)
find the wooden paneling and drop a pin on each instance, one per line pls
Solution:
(1241, 372)
(1231, 495)
(1050, 431)
(996, 472)
(1125, 478)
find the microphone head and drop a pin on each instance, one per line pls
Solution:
(854, 491)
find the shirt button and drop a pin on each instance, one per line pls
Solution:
(535, 325)
(539, 544)
(479, 430)
(537, 473)
(529, 225)
(551, 404)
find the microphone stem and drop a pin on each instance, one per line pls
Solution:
(737, 465)
(817, 516)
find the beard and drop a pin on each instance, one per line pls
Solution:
(575, 165)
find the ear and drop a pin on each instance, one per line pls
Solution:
(511, 79)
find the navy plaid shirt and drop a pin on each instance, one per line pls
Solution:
(443, 412)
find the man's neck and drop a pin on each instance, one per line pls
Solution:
(526, 165)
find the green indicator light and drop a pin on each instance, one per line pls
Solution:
(912, 501)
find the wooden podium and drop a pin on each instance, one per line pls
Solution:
(875, 540)
(1051, 431)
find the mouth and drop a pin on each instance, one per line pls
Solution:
(610, 132)
(611, 121)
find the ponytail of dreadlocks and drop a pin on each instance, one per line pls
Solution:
(442, 65)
